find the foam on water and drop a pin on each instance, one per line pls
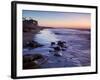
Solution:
(45, 37)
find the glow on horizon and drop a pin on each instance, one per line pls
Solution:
(60, 19)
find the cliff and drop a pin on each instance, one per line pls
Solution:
(30, 29)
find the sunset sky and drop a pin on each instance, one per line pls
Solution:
(60, 19)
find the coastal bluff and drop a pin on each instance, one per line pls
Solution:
(30, 28)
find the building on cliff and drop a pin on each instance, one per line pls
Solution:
(29, 25)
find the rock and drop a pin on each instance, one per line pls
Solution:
(33, 61)
(37, 56)
(33, 44)
(27, 59)
(30, 65)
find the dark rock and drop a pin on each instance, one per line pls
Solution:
(30, 65)
(32, 44)
(37, 56)
(27, 59)
(33, 61)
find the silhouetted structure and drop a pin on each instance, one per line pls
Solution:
(31, 21)
(29, 25)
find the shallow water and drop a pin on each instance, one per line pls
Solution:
(77, 53)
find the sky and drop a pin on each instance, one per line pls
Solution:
(60, 19)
